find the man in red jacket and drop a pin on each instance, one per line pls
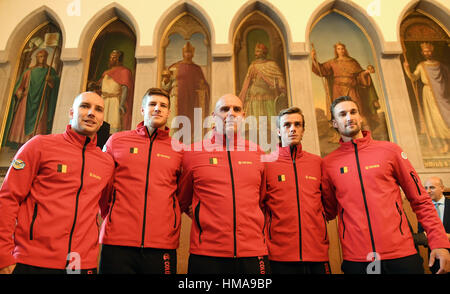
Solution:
(52, 190)
(141, 227)
(361, 183)
(296, 226)
(223, 180)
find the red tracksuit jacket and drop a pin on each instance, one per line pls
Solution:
(360, 183)
(296, 225)
(143, 209)
(225, 189)
(53, 188)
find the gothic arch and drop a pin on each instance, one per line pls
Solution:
(430, 7)
(358, 13)
(23, 29)
(183, 6)
(107, 13)
(267, 9)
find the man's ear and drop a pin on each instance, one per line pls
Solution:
(333, 121)
(71, 113)
(278, 132)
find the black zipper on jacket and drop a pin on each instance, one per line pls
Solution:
(152, 138)
(269, 226)
(401, 217)
(325, 224)
(175, 213)
(234, 200)
(415, 182)
(112, 204)
(343, 223)
(364, 196)
(77, 198)
(293, 156)
(35, 211)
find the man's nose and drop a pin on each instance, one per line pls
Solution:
(231, 112)
(91, 111)
(292, 129)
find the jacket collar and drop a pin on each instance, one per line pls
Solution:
(295, 151)
(78, 139)
(360, 143)
(143, 131)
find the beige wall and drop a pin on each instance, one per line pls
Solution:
(79, 20)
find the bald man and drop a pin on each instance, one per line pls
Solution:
(223, 180)
(52, 189)
(435, 188)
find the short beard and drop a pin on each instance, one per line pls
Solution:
(351, 133)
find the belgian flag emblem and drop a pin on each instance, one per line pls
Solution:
(133, 150)
(213, 160)
(281, 178)
(62, 168)
(344, 170)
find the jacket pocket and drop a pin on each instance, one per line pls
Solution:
(112, 204)
(343, 223)
(197, 221)
(33, 219)
(401, 217)
(413, 176)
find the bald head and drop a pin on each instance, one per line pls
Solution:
(435, 188)
(86, 114)
(229, 113)
(229, 99)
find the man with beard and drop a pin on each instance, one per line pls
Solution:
(361, 183)
(345, 77)
(435, 77)
(264, 85)
(117, 89)
(187, 86)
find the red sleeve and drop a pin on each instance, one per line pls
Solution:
(329, 200)
(185, 185)
(106, 196)
(420, 200)
(263, 188)
(15, 189)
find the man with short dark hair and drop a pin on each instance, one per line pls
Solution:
(52, 189)
(141, 226)
(361, 183)
(296, 226)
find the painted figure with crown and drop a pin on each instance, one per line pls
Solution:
(344, 76)
(435, 79)
(264, 86)
(186, 83)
